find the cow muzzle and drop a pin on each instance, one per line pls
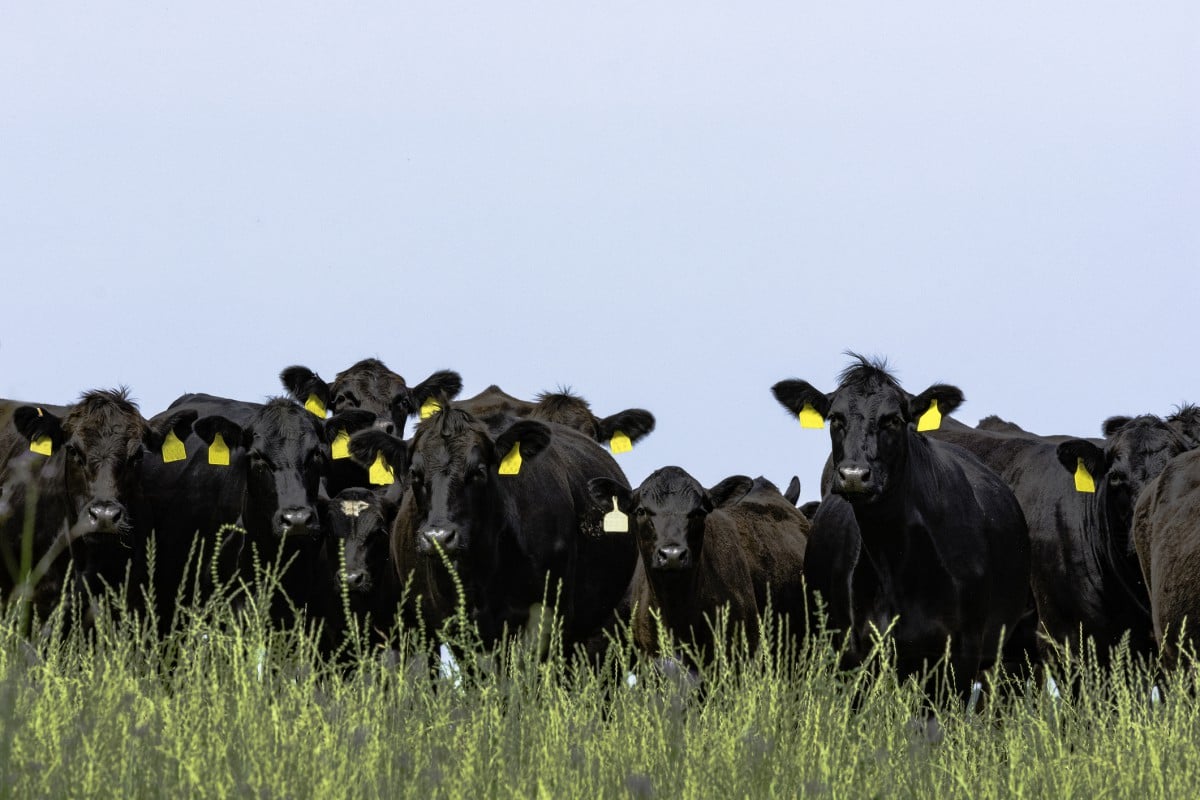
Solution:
(672, 557)
(297, 522)
(446, 539)
(357, 580)
(854, 482)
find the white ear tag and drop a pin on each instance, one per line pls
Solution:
(616, 521)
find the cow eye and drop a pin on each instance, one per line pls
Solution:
(76, 454)
(837, 422)
(642, 512)
(1115, 479)
(891, 422)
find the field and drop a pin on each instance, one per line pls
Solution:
(220, 709)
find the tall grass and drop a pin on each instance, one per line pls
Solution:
(226, 706)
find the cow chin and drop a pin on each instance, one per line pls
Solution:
(91, 536)
(859, 494)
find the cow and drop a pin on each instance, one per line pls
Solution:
(84, 466)
(738, 545)
(1085, 576)
(506, 507)
(917, 534)
(366, 393)
(259, 467)
(1166, 535)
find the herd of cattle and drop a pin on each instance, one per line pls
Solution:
(941, 531)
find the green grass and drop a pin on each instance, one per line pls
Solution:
(239, 710)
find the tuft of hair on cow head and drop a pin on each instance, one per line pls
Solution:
(531, 436)
(1114, 424)
(1186, 421)
(179, 423)
(35, 423)
(636, 423)
(367, 445)
(441, 387)
(794, 395)
(301, 383)
(603, 490)
(948, 399)
(1073, 451)
(728, 491)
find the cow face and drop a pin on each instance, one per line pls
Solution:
(870, 421)
(366, 386)
(281, 456)
(455, 474)
(1135, 451)
(668, 513)
(102, 440)
(359, 523)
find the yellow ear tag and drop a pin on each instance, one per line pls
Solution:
(173, 449)
(341, 445)
(619, 443)
(40, 414)
(511, 464)
(616, 521)
(1084, 482)
(42, 444)
(429, 408)
(931, 420)
(218, 452)
(380, 473)
(314, 404)
(810, 417)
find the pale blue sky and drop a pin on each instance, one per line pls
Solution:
(666, 205)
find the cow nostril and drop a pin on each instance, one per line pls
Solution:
(354, 580)
(296, 517)
(443, 537)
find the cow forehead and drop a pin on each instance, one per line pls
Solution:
(671, 489)
(353, 508)
(867, 400)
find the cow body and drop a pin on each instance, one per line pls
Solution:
(916, 532)
(1166, 534)
(1085, 574)
(701, 552)
(512, 532)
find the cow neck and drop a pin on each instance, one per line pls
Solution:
(1119, 567)
(884, 525)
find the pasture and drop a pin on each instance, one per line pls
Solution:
(236, 707)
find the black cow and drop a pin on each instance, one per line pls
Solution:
(1166, 534)
(366, 394)
(1085, 575)
(508, 506)
(916, 531)
(358, 529)
(85, 468)
(733, 545)
(257, 466)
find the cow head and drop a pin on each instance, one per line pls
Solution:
(359, 522)
(456, 467)
(101, 439)
(1135, 451)
(668, 513)
(870, 421)
(368, 386)
(568, 409)
(281, 456)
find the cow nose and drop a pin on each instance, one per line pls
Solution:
(295, 518)
(355, 580)
(105, 514)
(672, 557)
(385, 425)
(446, 538)
(854, 478)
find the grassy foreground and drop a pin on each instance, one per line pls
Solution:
(220, 710)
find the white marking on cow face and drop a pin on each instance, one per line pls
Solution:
(352, 508)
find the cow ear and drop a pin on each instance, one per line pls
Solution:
(730, 490)
(792, 492)
(809, 509)
(922, 409)
(532, 436)
(179, 423)
(305, 386)
(231, 433)
(39, 426)
(367, 445)
(1074, 452)
(1114, 424)
(603, 490)
(796, 395)
(443, 385)
(351, 421)
(632, 423)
